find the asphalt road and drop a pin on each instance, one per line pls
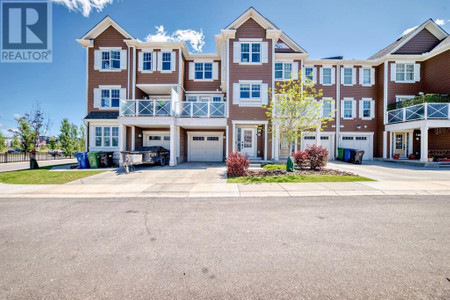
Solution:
(310, 248)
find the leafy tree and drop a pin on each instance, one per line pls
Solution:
(52, 144)
(82, 139)
(25, 135)
(296, 109)
(15, 143)
(68, 138)
(2, 142)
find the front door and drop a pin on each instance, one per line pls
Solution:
(246, 140)
(400, 144)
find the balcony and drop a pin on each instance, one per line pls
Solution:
(424, 111)
(167, 108)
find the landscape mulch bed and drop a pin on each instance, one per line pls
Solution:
(261, 173)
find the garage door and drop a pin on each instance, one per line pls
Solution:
(325, 141)
(361, 142)
(157, 139)
(205, 147)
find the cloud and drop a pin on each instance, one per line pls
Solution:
(17, 116)
(84, 6)
(195, 38)
(409, 30)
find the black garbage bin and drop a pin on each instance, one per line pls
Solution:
(106, 159)
(358, 156)
(352, 155)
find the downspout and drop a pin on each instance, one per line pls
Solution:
(338, 105)
(133, 93)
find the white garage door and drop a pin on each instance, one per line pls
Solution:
(157, 139)
(325, 141)
(205, 147)
(360, 142)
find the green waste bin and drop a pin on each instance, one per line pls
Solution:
(94, 162)
(340, 154)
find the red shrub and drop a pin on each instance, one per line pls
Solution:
(237, 164)
(301, 159)
(317, 156)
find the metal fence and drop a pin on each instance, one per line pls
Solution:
(23, 157)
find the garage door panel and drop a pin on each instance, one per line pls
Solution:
(205, 147)
(361, 142)
(162, 140)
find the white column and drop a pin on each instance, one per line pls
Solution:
(133, 138)
(424, 144)
(265, 141)
(122, 140)
(391, 145)
(318, 136)
(227, 141)
(277, 143)
(178, 144)
(172, 161)
(385, 144)
(234, 138)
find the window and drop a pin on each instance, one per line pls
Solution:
(348, 76)
(250, 52)
(402, 98)
(327, 108)
(217, 99)
(203, 71)
(283, 70)
(154, 138)
(326, 75)
(256, 91)
(325, 138)
(110, 60)
(192, 98)
(367, 80)
(404, 72)
(106, 136)
(250, 91)
(348, 109)
(198, 138)
(167, 137)
(309, 73)
(147, 61)
(110, 97)
(366, 110)
(309, 138)
(361, 138)
(347, 138)
(166, 61)
(212, 138)
(245, 91)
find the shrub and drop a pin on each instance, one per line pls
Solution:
(301, 159)
(237, 164)
(269, 167)
(317, 156)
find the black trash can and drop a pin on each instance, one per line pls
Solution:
(352, 155)
(358, 156)
(106, 159)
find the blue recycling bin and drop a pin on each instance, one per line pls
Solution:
(348, 154)
(82, 159)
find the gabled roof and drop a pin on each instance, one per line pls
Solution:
(102, 26)
(430, 25)
(251, 12)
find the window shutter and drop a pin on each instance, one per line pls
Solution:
(361, 106)
(333, 76)
(393, 70)
(321, 76)
(372, 109)
(191, 71)
(372, 76)
(342, 108)
(123, 59)
(140, 61)
(215, 71)
(361, 76)
(353, 109)
(353, 76)
(295, 70)
(264, 94)
(154, 61)
(264, 52)
(416, 72)
(236, 93)
(236, 52)
(173, 61)
(342, 75)
(159, 61)
(314, 75)
(97, 98)
(123, 94)
(97, 60)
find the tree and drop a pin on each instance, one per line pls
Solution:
(52, 143)
(82, 139)
(68, 138)
(25, 135)
(296, 109)
(2, 142)
(15, 143)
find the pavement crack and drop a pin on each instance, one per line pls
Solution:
(146, 222)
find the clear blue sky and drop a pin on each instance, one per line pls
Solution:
(354, 29)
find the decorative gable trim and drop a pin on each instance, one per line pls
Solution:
(102, 26)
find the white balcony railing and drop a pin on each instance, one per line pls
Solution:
(418, 112)
(163, 108)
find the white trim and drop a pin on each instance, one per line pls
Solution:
(385, 91)
(249, 122)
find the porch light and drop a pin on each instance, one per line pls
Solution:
(358, 126)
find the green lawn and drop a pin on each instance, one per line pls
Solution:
(297, 178)
(44, 176)
(270, 167)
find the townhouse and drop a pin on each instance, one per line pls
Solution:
(202, 106)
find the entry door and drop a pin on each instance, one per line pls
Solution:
(400, 144)
(247, 141)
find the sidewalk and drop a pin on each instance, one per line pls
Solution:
(14, 166)
(208, 190)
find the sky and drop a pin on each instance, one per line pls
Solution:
(353, 29)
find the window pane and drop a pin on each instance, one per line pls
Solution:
(115, 131)
(326, 76)
(98, 131)
(245, 55)
(308, 73)
(115, 59)
(348, 109)
(409, 72)
(245, 91)
(366, 109)
(348, 74)
(366, 76)
(256, 91)
(105, 60)
(208, 71)
(166, 63)
(192, 98)
(256, 57)
(287, 71)
(278, 70)
(147, 59)
(198, 71)
(217, 99)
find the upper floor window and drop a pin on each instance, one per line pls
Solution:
(348, 76)
(166, 62)
(283, 70)
(203, 71)
(147, 61)
(327, 108)
(106, 136)
(366, 76)
(250, 52)
(404, 72)
(110, 60)
(309, 73)
(366, 108)
(403, 97)
(326, 76)
(348, 108)
(110, 98)
(209, 98)
(250, 91)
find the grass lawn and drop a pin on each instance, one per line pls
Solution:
(297, 178)
(44, 176)
(274, 167)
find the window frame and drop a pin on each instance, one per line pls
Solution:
(330, 76)
(144, 61)
(405, 72)
(330, 102)
(203, 71)
(112, 137)
(250, 53)
(284, 74)
(163, 55)
(110, 59)
(110, 98)
(251, 91)
(351, 109)
(311, 75)
(369, 70)
(344, 77)
(363, 109)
